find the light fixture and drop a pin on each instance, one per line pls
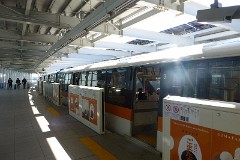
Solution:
(218, 14)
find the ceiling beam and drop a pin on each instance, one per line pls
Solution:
(27, 10)
(159, 37)
(99, 15)
(107, 28)
(216, 35)
(102, 52)
(148, 14)
(205, 32)
(75, 57)
(16, 59)
(123, 46)
(28, 37)
(66, 5)
(6, 35)
(60, 12)
(9, 52)
(78, 9)
(171, 4)
(37, 18)
(86, 59)
(27, 47)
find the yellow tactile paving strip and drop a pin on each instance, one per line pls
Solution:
(53, 111)
(100, 152)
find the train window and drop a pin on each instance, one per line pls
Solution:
(236, 85)
(147, 83)
(82, 79)
(224, 84)
(85, 79)
(68, 78)
(118, 87)
(101, 79)
(52, 78)
(61, 78)
(76, 78)
(89, 77)
(94, 79)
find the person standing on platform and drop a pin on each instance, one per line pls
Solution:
(24, 81)
(10, 83)
(18, 82)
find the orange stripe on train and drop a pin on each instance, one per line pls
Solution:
(160, 124)
(122, 112)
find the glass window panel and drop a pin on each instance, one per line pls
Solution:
(147, 83)
(94, 79)
(101, 78)
(118, 88)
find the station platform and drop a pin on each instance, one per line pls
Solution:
(31, 128)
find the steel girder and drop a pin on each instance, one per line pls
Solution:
(39, 18)
(103, 12)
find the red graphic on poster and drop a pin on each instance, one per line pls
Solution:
(225, 146)
(74, 103)
(190, 142)
(93, 111)
(89, 109)
(85, 108)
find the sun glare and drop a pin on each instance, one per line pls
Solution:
(43, 123)
(57, 149)
(35, 110)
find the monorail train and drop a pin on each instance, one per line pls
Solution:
(134, 92)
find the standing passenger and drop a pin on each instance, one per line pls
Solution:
(24, 81)
(18, 82)
(10, 83)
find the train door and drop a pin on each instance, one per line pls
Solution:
(146, 104)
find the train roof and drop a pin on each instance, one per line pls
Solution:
(186, 53)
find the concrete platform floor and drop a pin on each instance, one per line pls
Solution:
(31, 128)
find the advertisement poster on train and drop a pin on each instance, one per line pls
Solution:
(225, 146)
(190, 141)
(74, 103)
(89, 109)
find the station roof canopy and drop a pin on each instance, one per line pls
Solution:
(45, 36)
